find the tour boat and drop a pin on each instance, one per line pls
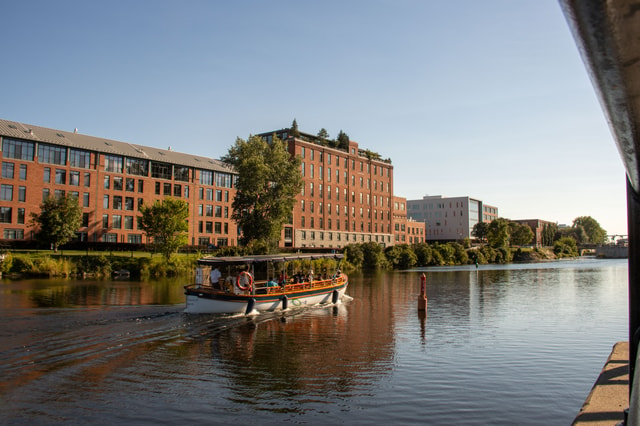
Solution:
(283, 283)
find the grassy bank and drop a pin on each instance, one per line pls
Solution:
(99, 265)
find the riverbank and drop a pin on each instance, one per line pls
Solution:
(609, 396)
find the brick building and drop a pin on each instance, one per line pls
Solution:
(346, 196)
(111, 179)
(405, 229)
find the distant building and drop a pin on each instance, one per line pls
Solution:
(537, 226)
(406, 230)
(111, 179)
(346, 195)
(449, 218)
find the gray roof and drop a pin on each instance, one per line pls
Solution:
(30, 132)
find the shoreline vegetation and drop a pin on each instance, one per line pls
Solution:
(358, 257)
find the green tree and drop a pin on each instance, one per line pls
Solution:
(423, 253)
(294, 128)
(323, 134)
(268, 181)
(520, 234)
(373, 256)
(58, 220)
(343, 140)
(401, 256)
(565, 247)
(549, 231)
(498, 233)
(166, 222)
(354, 255)
(595, 233)
(480, 230)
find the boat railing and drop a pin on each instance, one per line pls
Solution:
(261, 287)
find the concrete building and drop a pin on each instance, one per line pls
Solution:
(449, 218)
(111, 179)
(346, 197)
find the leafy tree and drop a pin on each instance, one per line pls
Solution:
(58, 220)
(373, 256)
(343, 140)
(565, 247)
(268, 181)
(294, 128)
(401, 256)
(549, 231)
(166, 222)
(595, 233)
(520, 234)
(423, 254)
(498, 233)
(480, 230)
(354, 255)
(323, 134)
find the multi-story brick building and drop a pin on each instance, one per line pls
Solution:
(111, 179)
(449, 218)
(346, 196)
(405, 229)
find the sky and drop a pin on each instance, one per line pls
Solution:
(484, 99)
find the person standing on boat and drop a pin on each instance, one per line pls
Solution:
(282, 279)
(214, 276)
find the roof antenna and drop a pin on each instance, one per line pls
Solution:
(75, 130)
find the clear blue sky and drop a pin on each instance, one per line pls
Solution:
(482, 98)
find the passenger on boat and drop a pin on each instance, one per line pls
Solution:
(310, 275)
(272, 283)
(282, 279)
(214, 276)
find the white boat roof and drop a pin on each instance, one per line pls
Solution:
(247, 260)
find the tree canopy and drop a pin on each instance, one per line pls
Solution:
(594, 232)
(58, 220)
(480, 230)
(268, 181)
(166, 222)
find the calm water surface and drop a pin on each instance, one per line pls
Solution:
(516, 344)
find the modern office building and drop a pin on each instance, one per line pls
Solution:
(111, 179)
(449, 218)
(346, 196)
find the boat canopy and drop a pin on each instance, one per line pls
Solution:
(266, 258)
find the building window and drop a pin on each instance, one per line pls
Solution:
(223, 180)
(140, 186)
(117, 202)
(22, 193)
(161, 170)
(218, 227)
(87, 180)
(85, 220)
(5, 214)
(21, 215)
(134, 239)
(113, 163)
(181, 173)
(20, 150)
(7, 170)
(206, 177)
(128, 222)
(13, 234)
(85, 199)
(74, 178)
(107, 182)
(128, 203)
(23, 172)
(166, 190)
(105, 201)
(79, 158)
(61, 177)
(117, 221)
(158, 188)
(218, 211)
(177, 190)
(117, 183)
(138, 167)
(130, 185)
(51, 154)
(105, 221)
(46, 175)
(6, 192)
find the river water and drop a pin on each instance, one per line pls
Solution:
(514, 344)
